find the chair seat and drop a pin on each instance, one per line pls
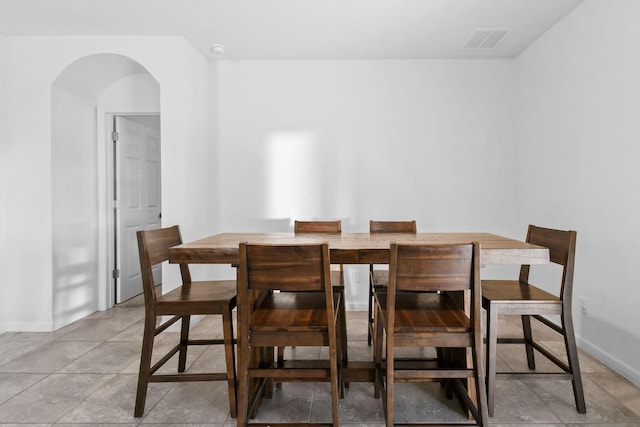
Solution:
(291, 311)
(423, 312)
(206, 297)
(513, 290)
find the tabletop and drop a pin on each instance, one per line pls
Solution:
(358, 248)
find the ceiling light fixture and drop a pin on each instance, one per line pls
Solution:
(218, 49)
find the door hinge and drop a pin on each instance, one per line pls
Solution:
(115, 136)
(115, 204)
(116, 273)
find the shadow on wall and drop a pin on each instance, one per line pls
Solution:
(74, 291)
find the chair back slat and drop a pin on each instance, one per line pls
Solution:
(285, 267)
(317, 227)
(562, 251)
(558, 242)
(159, 241)
(392, 227)
(433, 268)
(153, 249)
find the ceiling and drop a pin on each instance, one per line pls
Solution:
(298, 29)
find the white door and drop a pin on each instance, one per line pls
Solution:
(138, 198)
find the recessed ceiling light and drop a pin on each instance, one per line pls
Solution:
(218, 49)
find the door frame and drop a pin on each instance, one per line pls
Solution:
(106, 224)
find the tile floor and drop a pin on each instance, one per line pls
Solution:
(85, 374)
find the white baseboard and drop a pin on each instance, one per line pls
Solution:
(65, 320)
(28, 327)
(622, 368)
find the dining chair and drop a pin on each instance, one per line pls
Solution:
(190, 298)
(521, 297)
(337, 280)
(433, 300)
(285, 299)
(380, 277)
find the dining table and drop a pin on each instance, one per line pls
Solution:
(358, 248)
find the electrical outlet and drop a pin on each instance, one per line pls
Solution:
(583, 306)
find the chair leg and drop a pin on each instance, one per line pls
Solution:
(335, 387)
(388, 401)
(492, 342)
(145, 364)
(342, 333)
(343, 329)
(447, 357)
(377, 353)
(574, 364)
(280, 355)
(227, 328)
(184, 339)
(267, 358)
(481, 391)
(370, 315)
(243, 381)
(528, 337)
(280, 361)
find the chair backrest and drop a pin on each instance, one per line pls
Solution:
(317, 227)
(392, 227)
(284, 267)
(153, 249)
(321, 227)
(562, 251)
(431, 268)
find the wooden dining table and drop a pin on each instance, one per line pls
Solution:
(357, 248)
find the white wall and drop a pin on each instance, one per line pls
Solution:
(138, 90)
(4, 154)
(425, 140)
(74, 207)
(37, 61)
(578, 131)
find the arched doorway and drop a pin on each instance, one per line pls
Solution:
(82, 176)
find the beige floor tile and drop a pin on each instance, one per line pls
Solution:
(49, 357)
(13, 384)
(52, 398)
(114, 402)
(107, 358)
(191, 403)
(601, 406)
(99, 356)
(97, 329)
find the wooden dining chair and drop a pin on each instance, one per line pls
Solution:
(380, 277)
(285, 299)
(433, 300)
(523, 298)
(191, 298)
(337, 280)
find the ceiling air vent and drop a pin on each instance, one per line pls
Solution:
(487, 38)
